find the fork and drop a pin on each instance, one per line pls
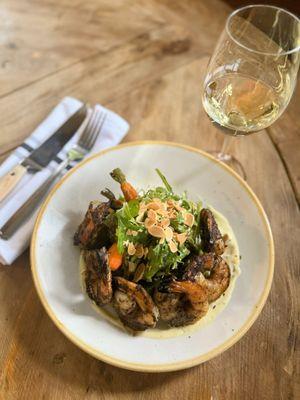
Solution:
(77, 152)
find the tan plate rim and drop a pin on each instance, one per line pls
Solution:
(155, 367)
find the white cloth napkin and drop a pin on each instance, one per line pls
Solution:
(112, 132)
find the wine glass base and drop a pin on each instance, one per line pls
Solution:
(231, 161)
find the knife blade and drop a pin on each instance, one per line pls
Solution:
(45, 153)
(42, 156)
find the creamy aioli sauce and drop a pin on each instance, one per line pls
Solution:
(161, 331)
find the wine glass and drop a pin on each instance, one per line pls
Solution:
(252, 73)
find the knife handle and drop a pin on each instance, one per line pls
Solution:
(9, 181)
(25, 211)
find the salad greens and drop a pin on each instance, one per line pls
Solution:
(179, 218)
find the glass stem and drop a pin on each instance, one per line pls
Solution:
(224, 154)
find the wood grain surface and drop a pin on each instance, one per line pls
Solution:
(146, 60)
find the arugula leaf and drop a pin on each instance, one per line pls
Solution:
(178, 224)
(131, 209)
(161, 261)
(160, 193)
(155, 259)
(127, 214)
(126, 221)
(142, 237)
(164, 180)
(121, 236)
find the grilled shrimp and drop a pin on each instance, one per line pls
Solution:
(181, 302)
(196, 265)
(211, 237)
(219, 274)
(193, 304)
(98, 278)
(219, 279)
(134, 305)
(186, 301)
(169, 306)
(92, 232)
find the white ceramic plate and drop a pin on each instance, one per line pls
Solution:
(54, 260)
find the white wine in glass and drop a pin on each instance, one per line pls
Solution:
(243, 104)
(252, 73)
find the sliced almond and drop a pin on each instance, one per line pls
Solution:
(172, 246)
(164, 206)
(181, 237)
(189, 219)
(131, 266)
(139, 251)
(161, 241)
(149, 223)
(143, 205)
(152, 215)
(168, 234)
(162, 212)
(139, 272)
(131, 249)
(170, 202)
(172, 214)
(165, 222)
(156, 231)
(140, 217)
(178, 207)
(153, 205)
(131, 232)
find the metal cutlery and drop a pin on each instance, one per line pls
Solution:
(45, 153)
(76, 153)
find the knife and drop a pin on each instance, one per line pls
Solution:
(42, 156)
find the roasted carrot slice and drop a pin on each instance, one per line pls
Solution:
(114, 257)
(128, 190)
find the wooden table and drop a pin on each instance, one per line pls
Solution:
(145, 60)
